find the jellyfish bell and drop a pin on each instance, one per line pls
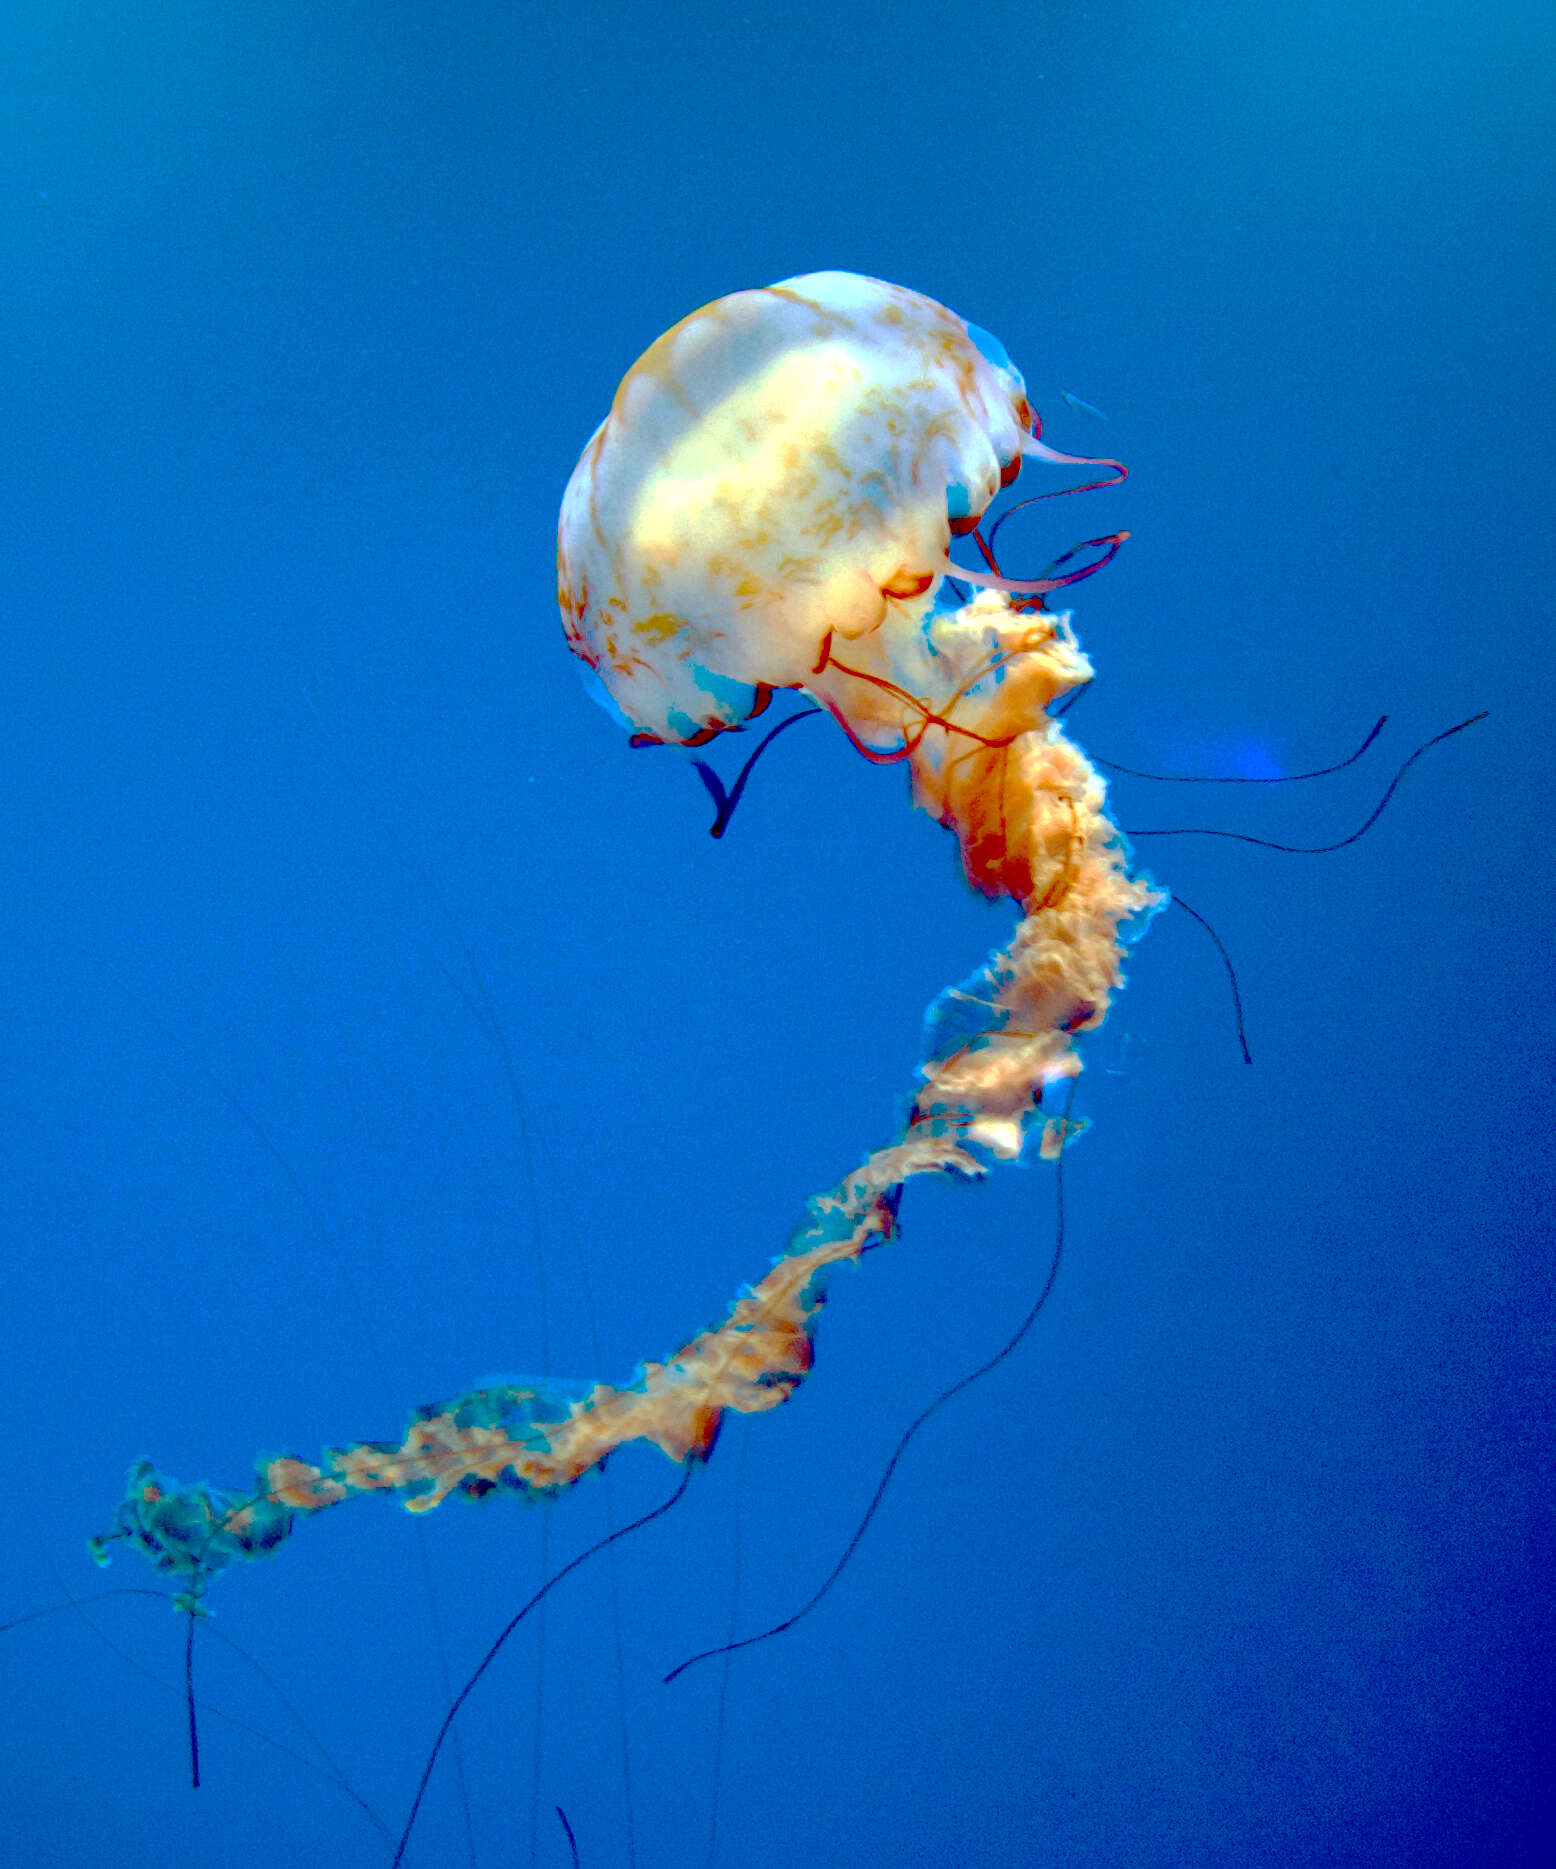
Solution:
(780, 473)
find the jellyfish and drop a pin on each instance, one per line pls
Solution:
(770, 505)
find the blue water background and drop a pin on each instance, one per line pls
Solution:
(1245, 1558)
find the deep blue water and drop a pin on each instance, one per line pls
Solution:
(1245, 1557)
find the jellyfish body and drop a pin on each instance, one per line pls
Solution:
(770, 503)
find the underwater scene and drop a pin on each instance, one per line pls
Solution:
(997, 1308)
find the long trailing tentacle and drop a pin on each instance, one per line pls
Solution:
(1339, 843)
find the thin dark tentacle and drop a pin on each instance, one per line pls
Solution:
(329, 1771)
(1231, 973)
(724, 803)
(189, 1702)
(1319, 850)
(908, 1434)
(492, 1653)
(1239, 778)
